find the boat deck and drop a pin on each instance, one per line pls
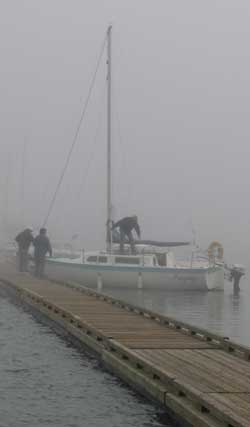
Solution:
(200, 376)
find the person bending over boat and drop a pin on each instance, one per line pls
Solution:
(24, 239)
(126, 226)
(42, 247)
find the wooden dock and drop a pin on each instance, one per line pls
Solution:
(203, 378)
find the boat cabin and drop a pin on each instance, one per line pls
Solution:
(146, 260)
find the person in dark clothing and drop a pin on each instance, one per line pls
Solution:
(24, 239)
(42, 247)
(126, 226)
(236, 275)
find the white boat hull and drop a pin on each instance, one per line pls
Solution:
(178, 279)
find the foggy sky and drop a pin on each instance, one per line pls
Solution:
(180, 118)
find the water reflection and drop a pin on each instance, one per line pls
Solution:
(235, 299)
(225, 312)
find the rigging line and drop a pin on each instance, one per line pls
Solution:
(91, 155)
(82, 188)
(77, 195)
(76, 133)
(129, 190)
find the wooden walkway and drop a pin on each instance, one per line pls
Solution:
(200, 376)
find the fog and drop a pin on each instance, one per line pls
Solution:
(181, 103)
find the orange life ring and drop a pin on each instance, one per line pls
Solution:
(215, 250)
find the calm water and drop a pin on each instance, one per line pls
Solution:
(45, 382)
(221, 312)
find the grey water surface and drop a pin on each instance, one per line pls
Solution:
(226, 313)
(45, 382)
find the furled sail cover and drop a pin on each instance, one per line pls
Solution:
(116, 239)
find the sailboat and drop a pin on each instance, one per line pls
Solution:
(153, 266)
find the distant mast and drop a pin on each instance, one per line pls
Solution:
(22, 192)
(109, 137)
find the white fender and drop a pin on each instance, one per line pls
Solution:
(139, 281)
(99, 282)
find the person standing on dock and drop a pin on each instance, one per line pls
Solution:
(42, 247)
(126, 226)
(24, 239)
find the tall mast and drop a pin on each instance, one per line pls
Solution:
(109, 136)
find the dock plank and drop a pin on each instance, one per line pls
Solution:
(192, 365)
(200, 378)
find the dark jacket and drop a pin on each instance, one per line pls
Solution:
(24, 239)
(42, 246)
(128, 224)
